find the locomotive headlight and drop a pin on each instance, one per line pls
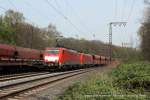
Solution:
(46, 58)
(55, 58)
(51, 58)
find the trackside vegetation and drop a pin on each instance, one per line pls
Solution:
(132, 76)
(128, 81)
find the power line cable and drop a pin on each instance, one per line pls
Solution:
(3, 8)
(58, 6)
(79, 18)
(35, 9)
(131, 10)
(11, 3)
(56, 11)
(65, 17)
(123, 18)
(66, 4)
(116, 7)
(123, 9)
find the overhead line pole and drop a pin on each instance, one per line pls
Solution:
(110, 41)
(110, 35)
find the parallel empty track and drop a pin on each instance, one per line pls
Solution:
(18, 86)
(23, 75)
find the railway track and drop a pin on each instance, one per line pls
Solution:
(14, 87)
(17, 76)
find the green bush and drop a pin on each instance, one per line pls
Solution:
(98, 88)
(129, 81)
(132, 76)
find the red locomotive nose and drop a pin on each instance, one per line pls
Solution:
(51, 55)
(51, 58)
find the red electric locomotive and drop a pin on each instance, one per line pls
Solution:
(86, 59)
(61, 57)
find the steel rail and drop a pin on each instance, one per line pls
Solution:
(22, 76)
(29, 79)
(10, 75)
(22, 87)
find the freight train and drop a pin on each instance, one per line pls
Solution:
(49, 58)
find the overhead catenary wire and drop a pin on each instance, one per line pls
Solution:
(131, 10)
(55, 10)
(123, 9)
(65, 17)
(66, 4)
(123, 18)
(12, 4)
(81, 22)
(56, 2)
(58, 6)
(2, 8)
(130, 14)
(116, 7)
(35, 9)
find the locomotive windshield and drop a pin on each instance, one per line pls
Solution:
(52, 51)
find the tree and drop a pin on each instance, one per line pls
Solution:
(8, 26)
(6, 32)
(12, 18)
(144, 33)
(15, 30)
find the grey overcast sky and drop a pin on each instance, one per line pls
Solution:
(89, 17)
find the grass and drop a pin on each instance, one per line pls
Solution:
(128, 81)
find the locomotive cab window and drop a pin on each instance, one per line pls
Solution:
(52, 51)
